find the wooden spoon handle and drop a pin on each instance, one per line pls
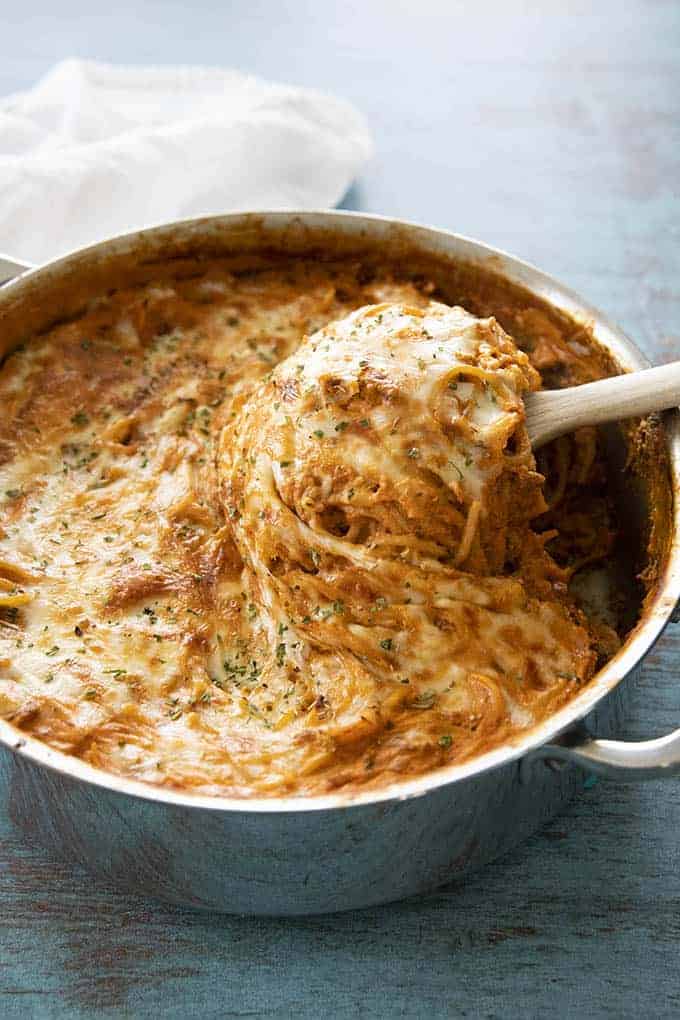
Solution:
(552, 413)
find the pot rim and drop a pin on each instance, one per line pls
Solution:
(433, 241)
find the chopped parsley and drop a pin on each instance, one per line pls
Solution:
(255, 713)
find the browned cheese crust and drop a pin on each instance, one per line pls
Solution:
(231, 571)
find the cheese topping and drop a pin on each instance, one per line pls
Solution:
(274, 532)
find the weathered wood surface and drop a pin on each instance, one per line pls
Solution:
(556, 136)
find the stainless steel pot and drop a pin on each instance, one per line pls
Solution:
(335, 852)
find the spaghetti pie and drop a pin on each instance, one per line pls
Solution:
(281, 531)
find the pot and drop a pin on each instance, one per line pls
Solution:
(341, 851)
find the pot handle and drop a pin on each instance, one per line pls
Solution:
(627, 761)
(9, 268)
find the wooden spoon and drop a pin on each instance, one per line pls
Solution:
(552, 413)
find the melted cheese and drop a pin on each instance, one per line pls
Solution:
(232, 577)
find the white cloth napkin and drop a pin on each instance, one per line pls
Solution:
(94, 150)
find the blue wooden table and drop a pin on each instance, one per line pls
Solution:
(557, 137)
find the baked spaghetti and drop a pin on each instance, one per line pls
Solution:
(281, 531)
